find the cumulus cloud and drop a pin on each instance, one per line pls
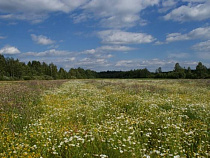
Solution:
(122, 37)
(166, 5)
(118, 13)
(89, 51)
(115, 48)
(71, 59)
(48, 53)
(36, 10)
(169, 3)
(124, 63)
(112, 13)
(40, 5)
(153, 64)
(200, 1)
(34, 18)
(43, 40)
(198, 33)
(9, 50)
(191, 12)
(176, 37)
(108, 48)
(202, 46)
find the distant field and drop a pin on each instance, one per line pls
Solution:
(105, 118)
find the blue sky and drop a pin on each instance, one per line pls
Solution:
(107, 34)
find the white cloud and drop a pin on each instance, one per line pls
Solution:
(78, 18)
(115, 48)
(198, 33)
(203, 50)
(191, 12)
(201, 32)
(118, 13)
(140, 64)
(176, 37)
(111, 13)
(40, 5)
(202, 46)
(159, 43)
(153, 64)
(9, 50)
(36, 10)
(200, 1)
(91, 63)
(167, 5)
(48, 53)
(34, 18)
(43, 40)
(106, 48)
(71, 59)
(124, 63)
(89, 51)
(121, 37)
(178, 55)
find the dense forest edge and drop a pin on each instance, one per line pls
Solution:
(13, 69)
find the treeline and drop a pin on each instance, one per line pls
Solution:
(13, 69)
(201, 72)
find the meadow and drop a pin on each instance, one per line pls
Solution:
(105, 118)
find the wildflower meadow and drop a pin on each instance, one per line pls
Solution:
(123, 118)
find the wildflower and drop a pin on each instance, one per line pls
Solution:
(103, 156)
(25, 153)
(55, 153)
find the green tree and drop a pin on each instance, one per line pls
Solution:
(53, 71)
(46, 69)
(159, 70)
(36, 66)
(62, 74)
(201, 70)
(189, 73)
(2, 66)
(178, 72)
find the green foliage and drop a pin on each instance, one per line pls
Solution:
(201, 70)
(11, 69)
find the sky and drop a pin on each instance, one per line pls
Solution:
(106, 35)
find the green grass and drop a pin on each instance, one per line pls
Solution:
(108, 118)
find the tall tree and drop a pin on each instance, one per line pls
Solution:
(159, 70)
(53, 70)
(62, 74)
(2, 66)
(201, 70)
(179, 72)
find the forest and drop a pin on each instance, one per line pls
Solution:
(13, 69)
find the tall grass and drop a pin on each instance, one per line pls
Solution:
(110, 118)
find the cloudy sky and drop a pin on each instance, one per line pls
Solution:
(107, 34)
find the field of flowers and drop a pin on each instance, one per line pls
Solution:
(105, 118)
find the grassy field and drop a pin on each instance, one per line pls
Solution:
(105, 118)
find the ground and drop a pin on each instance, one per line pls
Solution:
(106, 118)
